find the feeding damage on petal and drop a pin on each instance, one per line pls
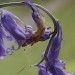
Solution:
(41, 34)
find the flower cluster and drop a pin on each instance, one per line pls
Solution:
(11, 31)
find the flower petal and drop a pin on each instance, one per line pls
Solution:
(53, 54)
(13, 28)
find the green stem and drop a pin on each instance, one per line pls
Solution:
(12, 4)
(22, 3)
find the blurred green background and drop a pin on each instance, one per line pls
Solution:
(64, 10)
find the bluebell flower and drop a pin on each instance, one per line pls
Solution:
(12, 27)
(53, 64)
(37, 17)
(41, 34)
(54, 52)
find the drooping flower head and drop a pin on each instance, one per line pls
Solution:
(12, 27)
(54, 52)
(41, 34)
(53, 65)
(37, 17)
